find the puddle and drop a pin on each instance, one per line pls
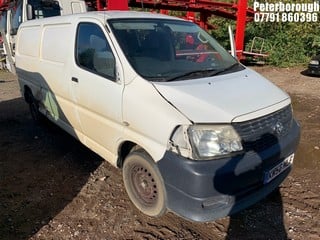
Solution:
(307, 112)
(307, 157)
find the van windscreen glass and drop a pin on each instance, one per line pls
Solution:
(171, 50)
(44, 8)
(40, 9)
(3, 21)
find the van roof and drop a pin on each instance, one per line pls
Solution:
(131, 14)
(100, 15)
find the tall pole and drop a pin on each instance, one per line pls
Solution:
(240, 27)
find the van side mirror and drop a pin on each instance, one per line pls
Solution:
(29, 12)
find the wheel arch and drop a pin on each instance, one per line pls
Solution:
(123, 151)
(126, 147)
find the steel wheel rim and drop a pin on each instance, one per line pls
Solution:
(144, 185)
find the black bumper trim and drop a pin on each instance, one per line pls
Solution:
(208, 190)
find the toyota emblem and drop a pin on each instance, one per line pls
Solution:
(278, 128)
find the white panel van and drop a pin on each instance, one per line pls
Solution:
(194, 131)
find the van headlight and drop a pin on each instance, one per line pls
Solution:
(201, 142)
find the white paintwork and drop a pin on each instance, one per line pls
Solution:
(103, 114)
(221, 99)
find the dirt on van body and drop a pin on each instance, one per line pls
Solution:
(52, 187)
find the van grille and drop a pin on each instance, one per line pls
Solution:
(260, 133)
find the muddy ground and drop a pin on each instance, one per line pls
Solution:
(52, 187)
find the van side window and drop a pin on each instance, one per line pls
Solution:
(93, 51)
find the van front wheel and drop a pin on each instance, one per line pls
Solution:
(144, 183)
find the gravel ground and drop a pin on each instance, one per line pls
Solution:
(52, 187)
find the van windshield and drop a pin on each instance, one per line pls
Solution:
(3, 21)
(171, 50)
(40, 9)
(45, 8)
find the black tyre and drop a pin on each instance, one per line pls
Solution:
(34, 108)
(144, 184)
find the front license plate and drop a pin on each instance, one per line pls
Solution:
(275, 171)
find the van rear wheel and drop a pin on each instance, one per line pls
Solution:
(34, 108)
(144, 184)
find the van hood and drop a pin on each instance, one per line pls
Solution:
(223, 98)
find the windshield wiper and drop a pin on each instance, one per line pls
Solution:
(225, 69)
(204, 72)
(183, 76)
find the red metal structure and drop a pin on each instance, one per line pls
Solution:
(206, 8)
(4, 4)
(122, 5)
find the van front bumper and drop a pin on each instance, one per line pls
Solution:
(207, 190)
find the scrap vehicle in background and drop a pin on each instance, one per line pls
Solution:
(13, 13)
(314, 66)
